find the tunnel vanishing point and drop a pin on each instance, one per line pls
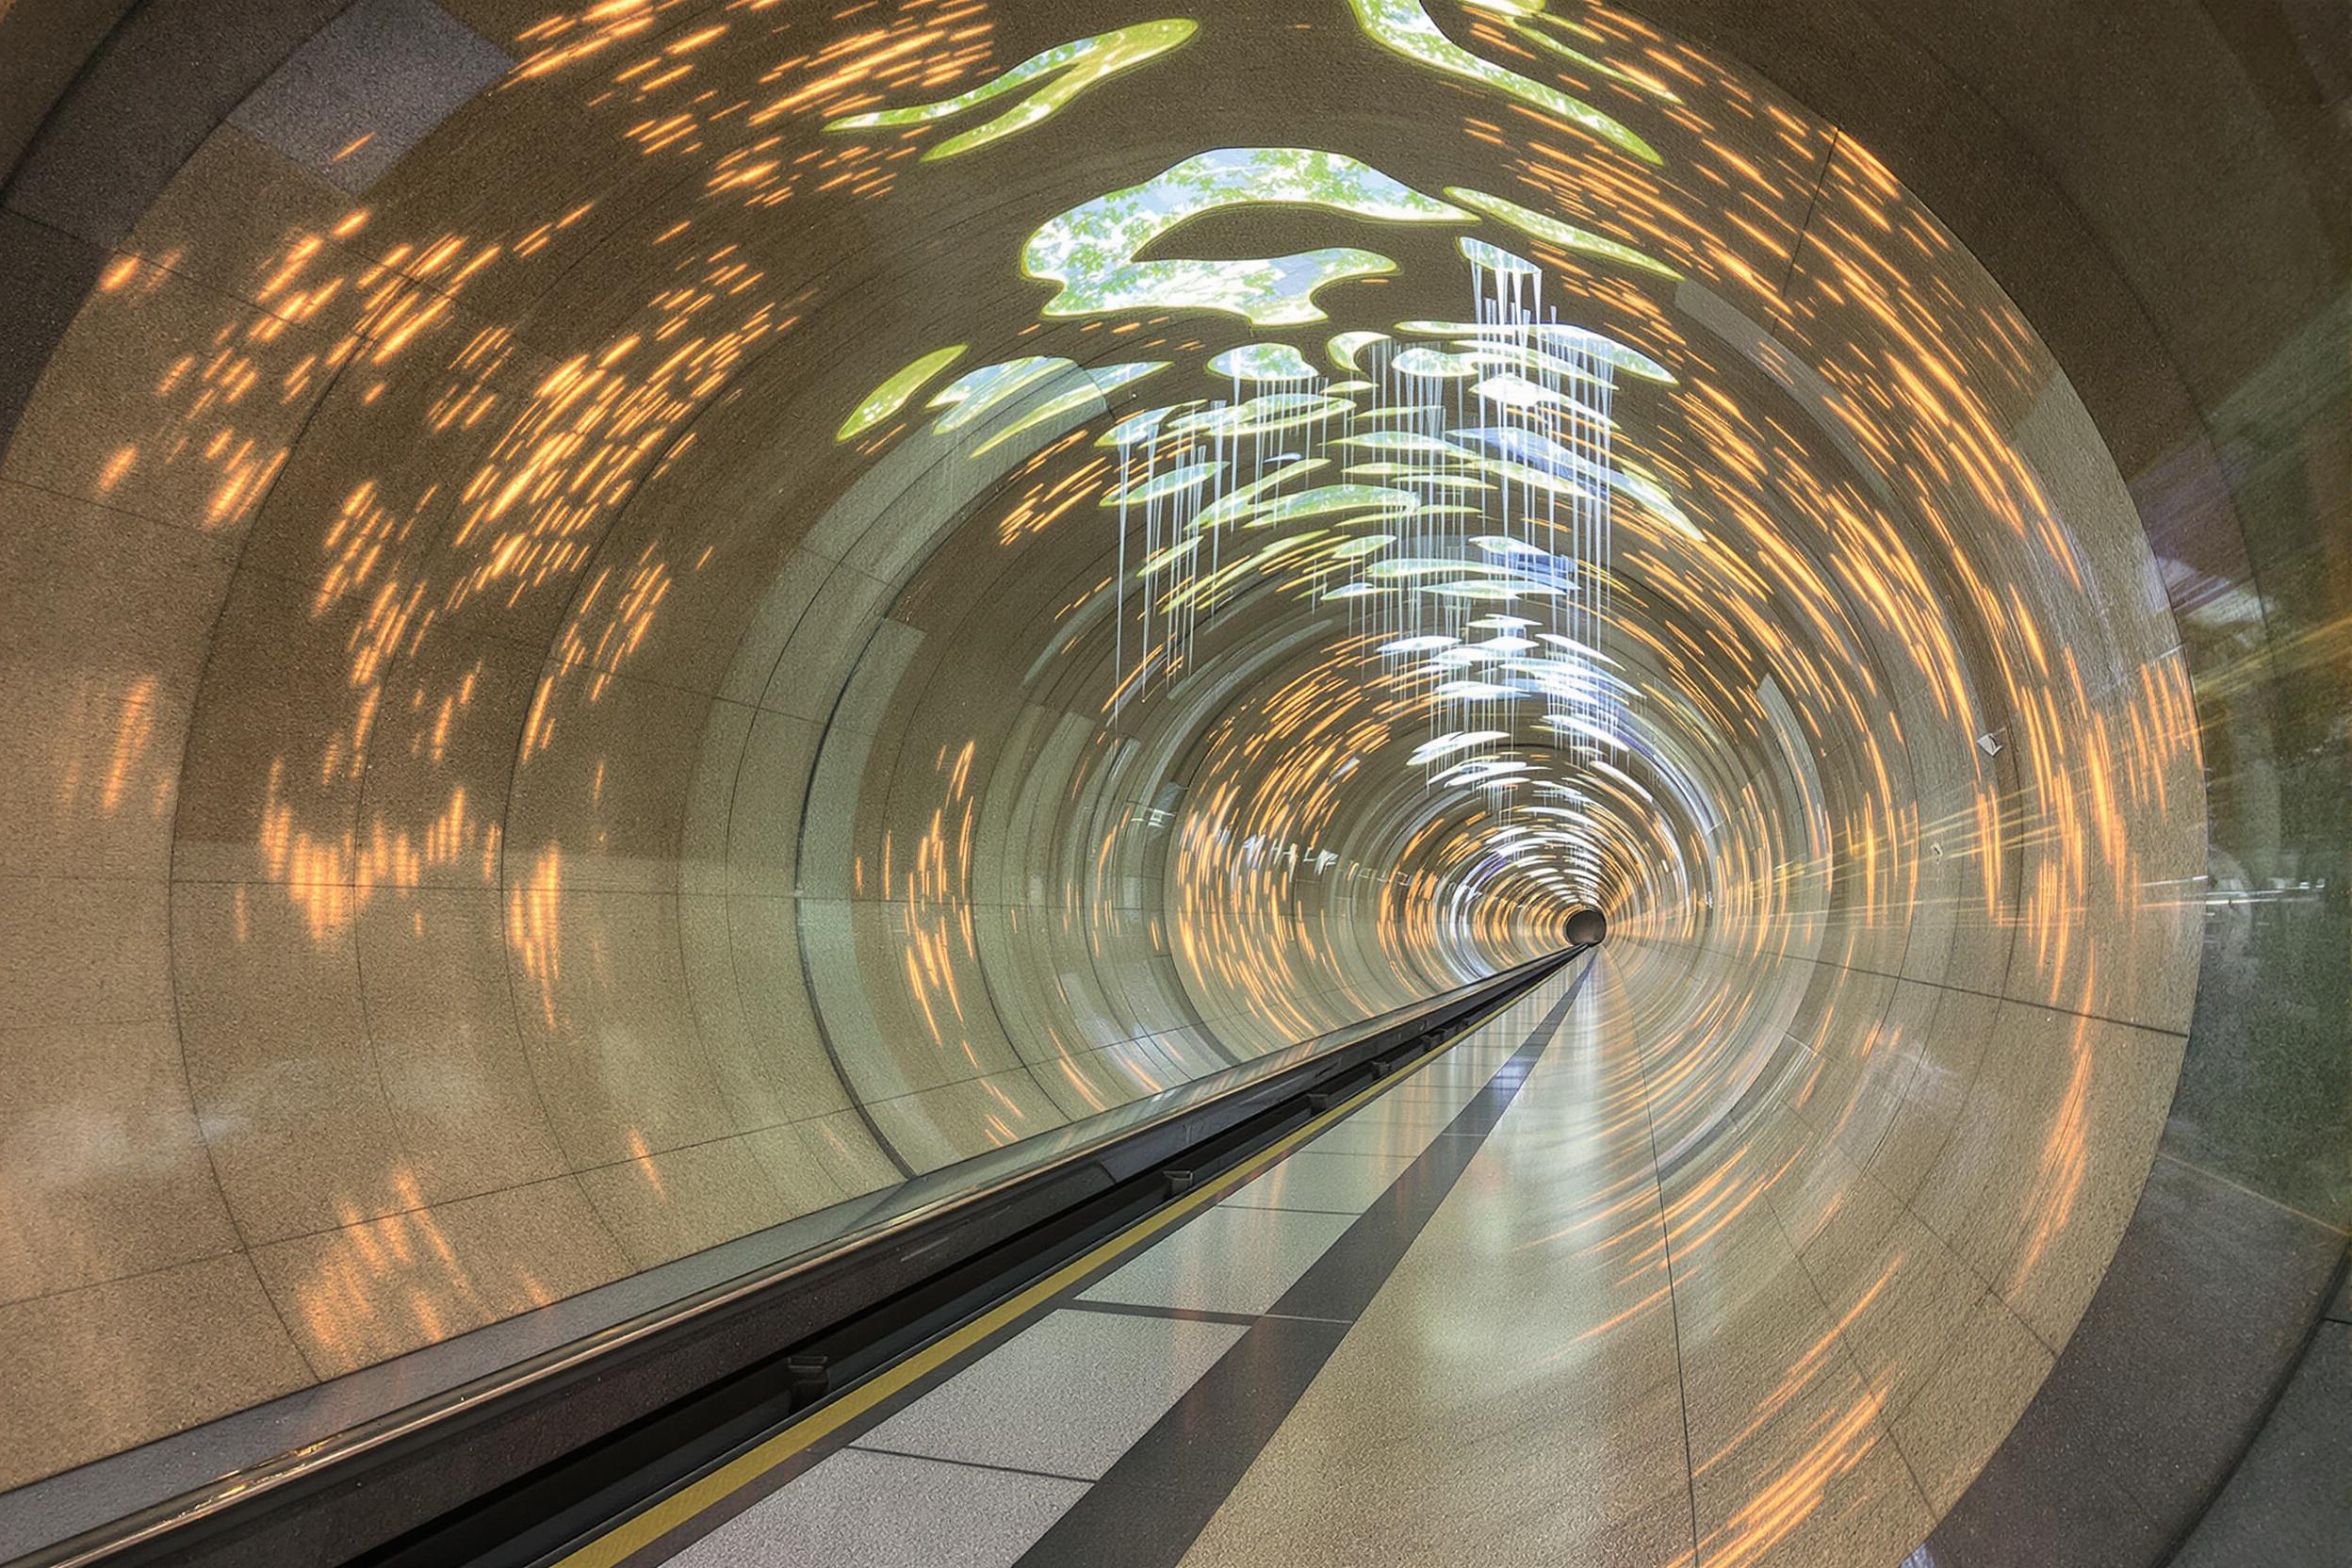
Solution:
(1270, 783)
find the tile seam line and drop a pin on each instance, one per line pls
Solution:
(1881, 1420)
(2181, 1034)
(1288, 1208)
(861, 1446)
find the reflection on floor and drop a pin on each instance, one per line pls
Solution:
(1466, 1322)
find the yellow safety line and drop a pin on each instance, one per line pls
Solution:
(641, 1529)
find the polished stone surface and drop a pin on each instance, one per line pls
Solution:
(367, 86)
(1066, 1397)
(1227, 1259)
(886, 1510)
(500, 800)
(1313, 1178)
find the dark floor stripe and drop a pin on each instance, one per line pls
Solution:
(1148, 1510)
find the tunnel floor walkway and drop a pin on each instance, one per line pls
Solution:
(1438, 1325)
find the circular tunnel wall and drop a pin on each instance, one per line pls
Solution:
(612, 641)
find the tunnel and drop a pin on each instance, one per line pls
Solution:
(1342, 781)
